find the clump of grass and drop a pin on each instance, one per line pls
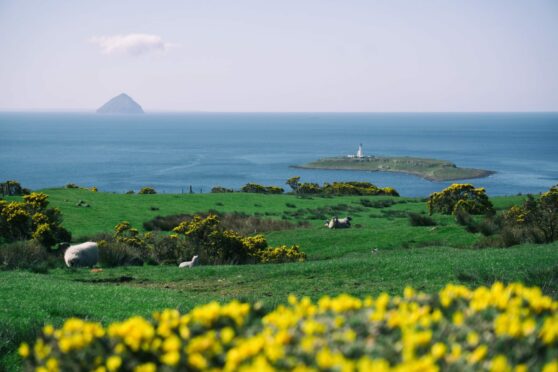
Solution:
(237, 221)
(290, 205)
(377, 203)
(416, 219)
(29, 255)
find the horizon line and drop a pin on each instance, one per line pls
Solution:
(90, 111)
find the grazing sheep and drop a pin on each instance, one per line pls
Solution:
(339, 223)
(84, 254)
(188, 264)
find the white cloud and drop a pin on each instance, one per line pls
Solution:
(131, 44)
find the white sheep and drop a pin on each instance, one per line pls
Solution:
(84, 254)
(339, 223)
(188, 264)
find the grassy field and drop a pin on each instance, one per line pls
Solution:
(338, 260)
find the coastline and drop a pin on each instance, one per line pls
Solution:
(480, 173)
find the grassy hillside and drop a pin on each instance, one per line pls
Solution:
(338, 260)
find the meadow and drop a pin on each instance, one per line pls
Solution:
(381, 252)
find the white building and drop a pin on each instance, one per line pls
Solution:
(359, 154)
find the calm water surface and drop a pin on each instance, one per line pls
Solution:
(173, 151)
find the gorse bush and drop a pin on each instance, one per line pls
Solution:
(147, 191)
(538, 215)
(460, 197)
(220, 189)
(536, 221)
(206, 238)
(339, 188)
(32, 219)
(498, 328)
(259, 189)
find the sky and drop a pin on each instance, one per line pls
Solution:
(280, 55)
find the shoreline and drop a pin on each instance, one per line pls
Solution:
(486, 173)
(389, 164)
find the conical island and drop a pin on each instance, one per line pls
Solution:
(121, 104)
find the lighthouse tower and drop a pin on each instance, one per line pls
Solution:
(359, 153)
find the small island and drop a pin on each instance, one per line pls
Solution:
(121, 104)
(429, 169)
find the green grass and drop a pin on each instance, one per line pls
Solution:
(338, 260)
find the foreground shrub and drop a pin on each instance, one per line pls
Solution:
(498, 328)
(458, 197)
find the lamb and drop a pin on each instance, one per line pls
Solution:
(188, 264)
(80, 255)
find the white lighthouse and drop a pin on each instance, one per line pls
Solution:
(359, 153)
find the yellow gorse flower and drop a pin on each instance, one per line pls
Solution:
(456, 329)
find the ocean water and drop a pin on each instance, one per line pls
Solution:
(172, 152)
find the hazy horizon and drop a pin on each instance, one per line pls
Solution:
(292, 56)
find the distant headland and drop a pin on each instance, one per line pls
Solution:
(121, 104)
(429, 169)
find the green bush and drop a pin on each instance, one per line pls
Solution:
(460, 197)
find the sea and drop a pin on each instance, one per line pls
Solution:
(179, 152)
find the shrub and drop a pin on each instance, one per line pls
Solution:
(219, 189)
(282, 254)
(460, 197)
(536, 221)
(147, 191)
(416, 219)
(13, 188)
(497, 328)
(259, 189)
(72, 186)
(206, 237)
(32, 219)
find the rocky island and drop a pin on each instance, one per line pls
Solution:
(121, 104)
(429, 169)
